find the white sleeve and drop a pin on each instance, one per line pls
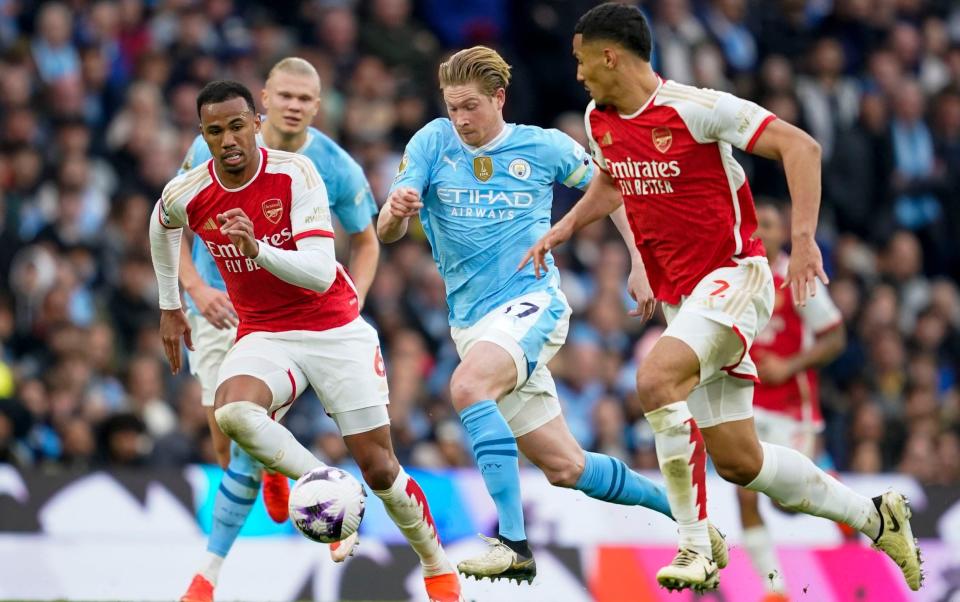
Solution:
(165, 238)
(820, 314)
(313, 265)
(595, 151)
(737, 121)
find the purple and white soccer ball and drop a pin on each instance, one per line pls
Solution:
(327, 504)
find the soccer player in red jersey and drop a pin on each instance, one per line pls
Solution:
(665, 150)
(264, 216)
(796, 340)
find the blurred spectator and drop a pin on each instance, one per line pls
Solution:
(98, 108)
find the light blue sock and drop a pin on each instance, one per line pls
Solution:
(238, 491)
(496, 452)
(608, 479)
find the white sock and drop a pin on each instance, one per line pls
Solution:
(211, 572)
(273, 445)
(764, 556)
(407, 507)
(683, 460)
(790, 478)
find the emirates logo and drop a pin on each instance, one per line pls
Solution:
(662, 139)
(273, 210)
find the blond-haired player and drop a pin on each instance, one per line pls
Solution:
(483, 189)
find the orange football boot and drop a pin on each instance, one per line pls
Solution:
(443, 588)
(276, 496)
(200, 590)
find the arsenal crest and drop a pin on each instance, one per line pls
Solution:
(273, 210)
(662, 139)
(483, 168)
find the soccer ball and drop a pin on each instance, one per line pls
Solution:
(327, 504)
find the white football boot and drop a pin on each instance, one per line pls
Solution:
(896, 537)
(690, 570)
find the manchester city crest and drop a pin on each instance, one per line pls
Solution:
(519, 169)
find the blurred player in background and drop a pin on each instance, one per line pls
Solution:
(291, 98)
(264, 217)
(786, 405)
(666, 152)
(484, 189)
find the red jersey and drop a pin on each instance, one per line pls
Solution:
(286, 201)
(792, 329)
(686, 198)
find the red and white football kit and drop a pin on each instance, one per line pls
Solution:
(692, 215)
(288, 335)
(789, 413)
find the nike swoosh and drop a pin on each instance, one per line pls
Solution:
(895, 527)
(522, 564)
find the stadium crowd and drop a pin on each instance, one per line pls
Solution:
(97, 110)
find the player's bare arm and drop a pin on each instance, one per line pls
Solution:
(601, 199)
(800, 155)
(637, 283)
(213, 304)
(364, 255)
(402, 204)
(775, 370)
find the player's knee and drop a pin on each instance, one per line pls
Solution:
(564, 472)
(739, 468)
(655, 389)
(238, 418)
(466, 390)
(380, 473)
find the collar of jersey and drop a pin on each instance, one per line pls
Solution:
(646, 104)
(299, 151)
(489, 146)
(260, 169)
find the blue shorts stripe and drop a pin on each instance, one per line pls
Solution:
(539, 334)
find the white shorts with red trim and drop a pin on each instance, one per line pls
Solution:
(781, 429)
(343, 365)
(210, 346)
(719, 321)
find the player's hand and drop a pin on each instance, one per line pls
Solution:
(773, 370)
(215, 305)
(404, 202)
(806, 265)
(557, 235)
(639, 288)
(173, 328)
(235, 224)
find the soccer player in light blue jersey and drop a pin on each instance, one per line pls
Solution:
(291, 98)
(483, 189)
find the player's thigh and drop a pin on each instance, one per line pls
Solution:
(486, 372)
(721, 317)
(552, 447)
(270, 358)
(530, 328)
(210, 347)
(668, 373)
(344, 366)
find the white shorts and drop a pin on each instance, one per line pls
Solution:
(210, 346)
(343, 365)
(719, 321)
(780, 429)
(531, 328)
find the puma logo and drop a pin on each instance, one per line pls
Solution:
(451, 162)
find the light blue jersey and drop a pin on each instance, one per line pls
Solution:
(484, 207)
(350, 197)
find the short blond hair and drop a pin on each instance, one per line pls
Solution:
(478, 65)
(294, 65)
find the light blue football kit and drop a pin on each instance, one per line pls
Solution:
(351, 201)
(482, 209)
